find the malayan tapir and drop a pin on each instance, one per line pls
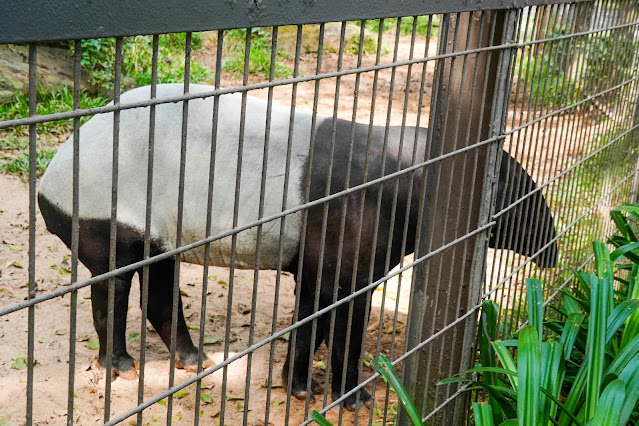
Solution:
(532, 231)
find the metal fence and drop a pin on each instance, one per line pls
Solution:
(355, 186)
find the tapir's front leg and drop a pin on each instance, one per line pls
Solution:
(160, 315)
(123, 364)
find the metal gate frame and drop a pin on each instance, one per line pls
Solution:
(68, 19)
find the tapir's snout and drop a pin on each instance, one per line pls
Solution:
(524, 221)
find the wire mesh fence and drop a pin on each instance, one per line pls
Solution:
(295, 194)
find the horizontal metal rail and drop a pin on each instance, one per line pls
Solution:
(78, 19)
(37, 119)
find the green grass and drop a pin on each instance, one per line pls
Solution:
(98, 57)
(20, 165)
(260, 55)
(14, 142)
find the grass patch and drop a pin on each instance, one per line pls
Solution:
(259, 57)
(98, 57)
(20, 165)
(14, 142)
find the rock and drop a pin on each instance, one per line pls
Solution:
(54, 70)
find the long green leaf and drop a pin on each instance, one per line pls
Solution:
(552, 376)
(535, 305)
(562, 407)
(608, 412)
(570, 332)
(632, 324)
(630, 375)
(321, 420)
(621, 251)
(486, 335)
(574, 400)
(622, 225)
(630, 208)
(619, 316)
(385, 367)
(529, 361)
(603, 263)
(483, 414)
(507, 361)
(625, 355)
(596, 343)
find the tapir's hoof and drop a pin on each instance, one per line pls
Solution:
(351, 402)
(123, 366)
(300, 392)
(191, 367)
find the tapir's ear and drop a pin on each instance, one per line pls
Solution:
(528, 227)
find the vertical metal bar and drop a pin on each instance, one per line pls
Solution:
(343, 206)
(33, 137)
(376, 229)
(267, 133)
(302, 246)
(113, 229)
(321, 244)
(180, 217)
(209, 214)
(379, 197)
(260, 214)
(75, 226)
(144, 289)
(236, 208)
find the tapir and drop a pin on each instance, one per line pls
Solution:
(533, 229)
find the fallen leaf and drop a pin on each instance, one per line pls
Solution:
(181, 393)
(217, 317)
(19, 362)
(133, 337)
(210, 340)
(93, 344)
(206, 398)
(60, 332)
(192, 327)
(14, 247)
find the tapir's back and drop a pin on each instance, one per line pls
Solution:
(96, 152)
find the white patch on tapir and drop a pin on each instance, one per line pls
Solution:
(96, 141)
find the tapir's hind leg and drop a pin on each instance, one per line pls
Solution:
(159, 314)
(340, 347)
(123, 364)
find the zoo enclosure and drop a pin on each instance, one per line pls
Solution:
(554, 84)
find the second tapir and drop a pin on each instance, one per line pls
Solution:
(95, 183)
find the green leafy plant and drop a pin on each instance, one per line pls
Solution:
(579, 369)
(98, 57)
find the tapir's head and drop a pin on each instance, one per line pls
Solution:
(527, 227)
